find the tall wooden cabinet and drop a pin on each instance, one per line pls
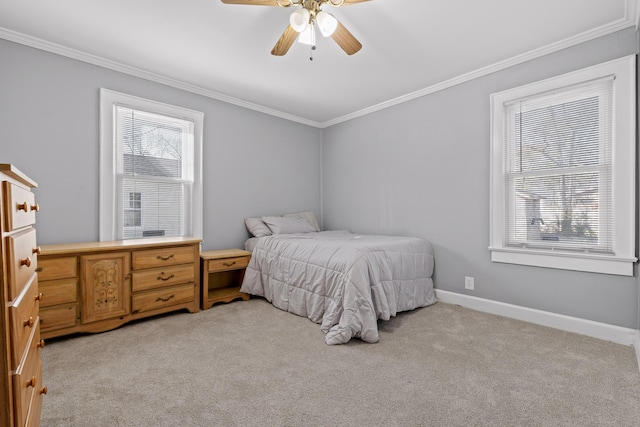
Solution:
(97, 286)
(21, 390)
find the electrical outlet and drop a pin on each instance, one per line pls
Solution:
(468, 283)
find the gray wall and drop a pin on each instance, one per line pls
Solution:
(422, 168)
(254, 164)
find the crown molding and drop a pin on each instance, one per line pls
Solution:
(631, 19)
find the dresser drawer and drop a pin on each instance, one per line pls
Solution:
(20, 206)
(23, 315)
(26, 381)
(23, 260)
(63, 316)
(228, 263)
(161, 277)
(35, 409)
(56, 292)
(159, 257)
(152, 300)
(57, 268)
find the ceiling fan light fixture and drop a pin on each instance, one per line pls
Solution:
(308, 36)
(299, 20)
(326, 23)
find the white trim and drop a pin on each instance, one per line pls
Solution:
(603, 331)
(630, 20)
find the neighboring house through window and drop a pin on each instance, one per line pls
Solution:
(563, 171)
(151, 169)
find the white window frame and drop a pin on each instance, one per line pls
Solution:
(108, 189)
(623, 174)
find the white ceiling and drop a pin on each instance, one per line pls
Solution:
(410, 47)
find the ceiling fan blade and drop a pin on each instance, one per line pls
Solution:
(346, 40)
(285, 41)
(252, 2)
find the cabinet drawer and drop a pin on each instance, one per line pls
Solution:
(228, 263)
(161, 277)
(59, 317)
(57, 268)
(147, 301)
(23, 259)
(167, 256)
(56, 292)
(35, 409)
(23, 314)
(25, 385)
(20, 206)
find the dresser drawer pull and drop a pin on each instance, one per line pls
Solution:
(26, 261)
(229, 264)
(160, 257)
(35, 207)
(164, 299)
(36, 251)
(44, 390)
(31, 382)
(22, 206)
(29, 322)
(41, 345)
(40, 297)
(164, 279)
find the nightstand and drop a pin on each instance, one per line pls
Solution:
(222, 272)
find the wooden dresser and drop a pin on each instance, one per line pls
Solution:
(21, 389)
(97, 286)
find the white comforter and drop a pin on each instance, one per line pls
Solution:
(341, 280)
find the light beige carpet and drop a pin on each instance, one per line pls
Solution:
(250, 364)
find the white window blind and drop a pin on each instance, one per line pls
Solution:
(150, 169)
(558, 187)
(563, 171)
(154, 164)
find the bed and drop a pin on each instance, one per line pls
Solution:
(346, 282)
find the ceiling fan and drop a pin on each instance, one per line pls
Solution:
(302, 23)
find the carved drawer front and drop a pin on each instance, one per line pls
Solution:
(62, 316)
(57, 268)
(26, 383)
(23, 259)
(161, 277)
(228, 263)
(56, 292)
(105, 286)
(23, 313)
(147, 301)
(20, 205)
(159, 257)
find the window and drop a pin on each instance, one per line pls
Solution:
(563, 171)
(151, 169)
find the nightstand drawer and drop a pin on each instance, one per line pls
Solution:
(147, 301)
(161, 277)
(56, 292)
(159, 257)
(57, 268)
(228, 263)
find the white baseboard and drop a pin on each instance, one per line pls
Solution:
(616, 334)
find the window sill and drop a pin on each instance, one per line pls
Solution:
(566, 261)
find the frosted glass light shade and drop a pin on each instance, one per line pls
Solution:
(299, 20)
(308, 36)
(327, 23)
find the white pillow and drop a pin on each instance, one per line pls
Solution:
(287, 225)
(257, 227)
(307, 216)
